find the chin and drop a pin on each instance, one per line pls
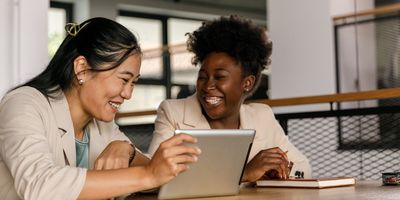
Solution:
(213, 115)
(106, 118)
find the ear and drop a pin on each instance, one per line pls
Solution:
(80, 67)
(248, 83)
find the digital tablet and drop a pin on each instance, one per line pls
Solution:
(219, 168)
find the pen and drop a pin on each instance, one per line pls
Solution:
(290, 166)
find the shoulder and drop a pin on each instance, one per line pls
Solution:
(24, 97)
(24, 105)
(172, 105)
(172, 102)
(25, 92)
(258, 109)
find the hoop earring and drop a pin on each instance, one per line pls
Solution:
(81, 81)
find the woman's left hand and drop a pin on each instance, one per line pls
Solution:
(272, 162)
(114, 156)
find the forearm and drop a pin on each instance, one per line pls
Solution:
(103, 184)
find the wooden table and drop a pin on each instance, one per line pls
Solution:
(362, 190)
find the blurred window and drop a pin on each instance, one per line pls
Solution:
(59, 14)
(165, 72)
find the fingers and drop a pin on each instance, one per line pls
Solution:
(172, 157)
(278, 165)
(111, 163)
(184, 159)
(180, 156)
(180, 163)
(178, 139)
(181, 149)
(276, 150)
(271, 163)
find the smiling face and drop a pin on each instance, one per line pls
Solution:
(221, 87)
(102, 93)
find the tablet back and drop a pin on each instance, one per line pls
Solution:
(219, 168)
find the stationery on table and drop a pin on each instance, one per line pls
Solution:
(308, 183)
(298, 181)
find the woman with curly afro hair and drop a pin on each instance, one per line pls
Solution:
(232, 52)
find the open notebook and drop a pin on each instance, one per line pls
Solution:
(308, 183)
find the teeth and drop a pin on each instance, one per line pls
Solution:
(213, 100)
(114, 105)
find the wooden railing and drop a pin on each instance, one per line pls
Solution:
(332, 98)
(379, 10)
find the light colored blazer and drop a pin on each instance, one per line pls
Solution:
(37, 147)
(186, 114)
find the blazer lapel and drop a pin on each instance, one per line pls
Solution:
(246, 121)
(193, 117)
(66, 129)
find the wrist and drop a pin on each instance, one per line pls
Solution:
(150, 179)
(143, 178)
(132, 151)
(245, 175)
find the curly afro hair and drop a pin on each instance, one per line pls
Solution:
(240, 38)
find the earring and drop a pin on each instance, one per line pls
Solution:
(81, 81)
(246, 89)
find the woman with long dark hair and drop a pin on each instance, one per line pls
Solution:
(58, 139)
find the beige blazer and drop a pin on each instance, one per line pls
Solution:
(186, 114)
(37, 147)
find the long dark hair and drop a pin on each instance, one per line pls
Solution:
(101, 41)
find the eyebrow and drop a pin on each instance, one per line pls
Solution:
(221, 69)
(130, 73)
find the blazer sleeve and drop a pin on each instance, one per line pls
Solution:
(163, 128)
(26, 151)
(300, 161)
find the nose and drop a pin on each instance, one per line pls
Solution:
(210, 84)
(126, 92)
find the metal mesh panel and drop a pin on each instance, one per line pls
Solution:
(358, 149)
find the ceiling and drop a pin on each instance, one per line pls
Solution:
(257, 6)
(253, 9)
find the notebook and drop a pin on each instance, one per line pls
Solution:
(219, 168)
(308, 183)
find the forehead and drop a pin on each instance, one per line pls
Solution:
(131, 64)
(220, 61)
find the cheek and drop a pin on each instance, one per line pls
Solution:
(100, 91)
(199, 84)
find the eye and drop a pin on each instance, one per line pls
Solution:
(201, 76)
(220, 77)
(124, 80)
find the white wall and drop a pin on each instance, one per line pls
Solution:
(23, 53)
(303, 62)
(6, 70)
(302, 57)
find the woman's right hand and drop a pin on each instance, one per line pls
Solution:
(171, 158)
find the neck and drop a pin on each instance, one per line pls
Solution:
(230, 122)
(79, 117)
